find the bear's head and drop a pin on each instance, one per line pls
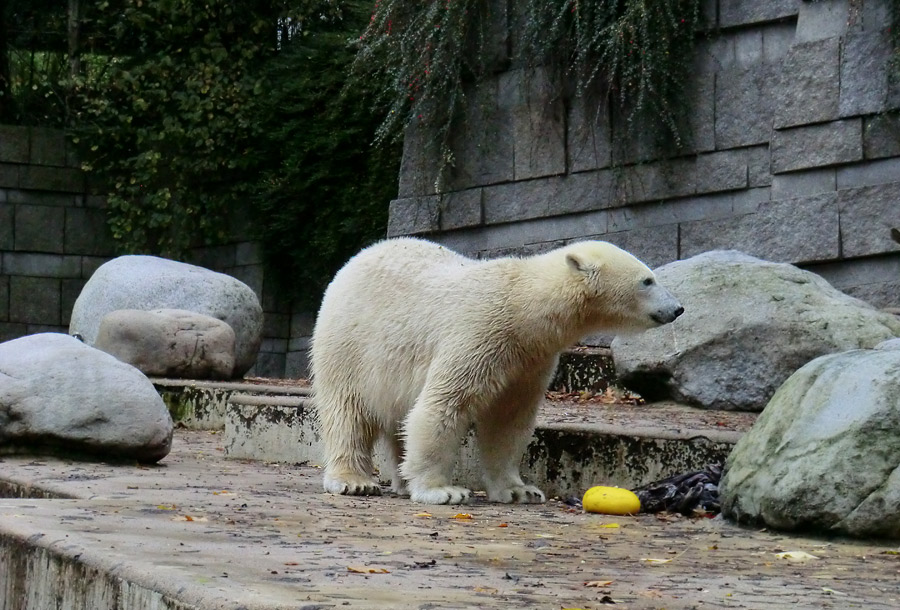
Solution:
(619, 292)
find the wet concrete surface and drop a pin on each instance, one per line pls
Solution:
(204, 532)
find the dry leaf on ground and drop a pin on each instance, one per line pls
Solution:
(367, 570)
(598, 583)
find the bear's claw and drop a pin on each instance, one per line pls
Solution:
(352, 486)
(523, 494)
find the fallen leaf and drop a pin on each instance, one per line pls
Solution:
(489, 590)
(795, 556)
(890, 552)
(652, 560)
(461, 516)
(503, 525)
(422, 515)
(291, 563)
(189, 518)
(166, 507)
(543, 535)
(598, 583)
(365, 570)
(609, 525)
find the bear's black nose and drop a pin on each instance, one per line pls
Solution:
(679, 311)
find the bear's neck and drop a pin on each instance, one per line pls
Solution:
(550, 314)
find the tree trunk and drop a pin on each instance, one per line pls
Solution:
(6, 109)
(74, 51)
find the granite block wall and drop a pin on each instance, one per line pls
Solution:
(794, 155)
(53, 236)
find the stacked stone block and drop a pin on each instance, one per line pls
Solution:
(794, 155)
(53, 234)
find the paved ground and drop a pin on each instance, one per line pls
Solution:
(213, 533)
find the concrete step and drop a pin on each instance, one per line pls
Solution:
(200, 405)
(577, 444)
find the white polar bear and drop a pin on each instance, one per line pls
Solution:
(415, 343)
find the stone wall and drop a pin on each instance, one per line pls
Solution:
(53, 235)
(793, 156)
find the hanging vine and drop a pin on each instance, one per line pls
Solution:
(635, 53)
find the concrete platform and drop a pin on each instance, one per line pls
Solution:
(202, 532)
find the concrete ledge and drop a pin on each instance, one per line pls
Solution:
(563, 459)
(200, 405)
(43, 572)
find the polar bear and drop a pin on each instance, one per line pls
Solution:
(415, 343)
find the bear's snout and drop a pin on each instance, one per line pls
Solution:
(668, 309)
(665, 317)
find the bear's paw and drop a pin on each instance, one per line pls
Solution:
(447, 494)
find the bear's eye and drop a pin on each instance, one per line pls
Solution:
(648, 281)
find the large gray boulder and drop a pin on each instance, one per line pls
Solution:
(57, 395)
(825, 453)
(748, 325)
(149, 282)
(169, 343)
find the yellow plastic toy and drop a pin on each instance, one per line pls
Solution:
(610, 501)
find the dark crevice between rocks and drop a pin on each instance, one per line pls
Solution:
(653, 385)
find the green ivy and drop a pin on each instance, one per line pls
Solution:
(422, 54)
(635, 54)
(171, 134)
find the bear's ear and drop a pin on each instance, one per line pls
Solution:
(579, 264)
(574, 263)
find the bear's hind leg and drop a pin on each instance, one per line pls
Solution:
(349, 436)
(502, 436)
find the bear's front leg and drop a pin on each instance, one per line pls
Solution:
(433, 432)
(503, 434)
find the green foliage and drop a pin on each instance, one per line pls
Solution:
(637, 52)
(324, 190)
(169, 135)
(422, 53)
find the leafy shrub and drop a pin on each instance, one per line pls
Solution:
(171, 134)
